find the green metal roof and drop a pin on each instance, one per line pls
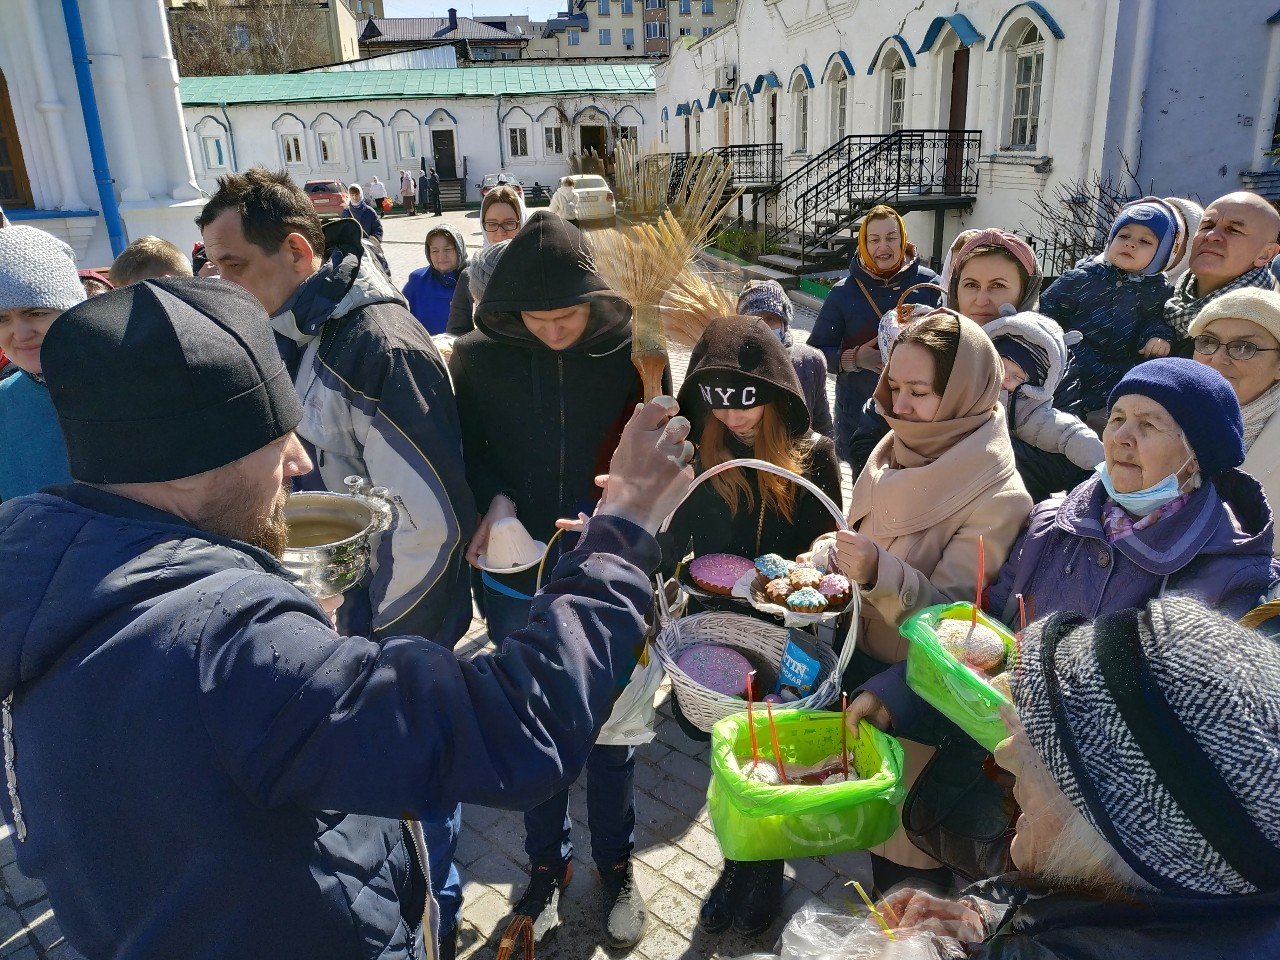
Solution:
(418, 84)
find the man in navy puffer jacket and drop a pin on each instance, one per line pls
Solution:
(185, 720)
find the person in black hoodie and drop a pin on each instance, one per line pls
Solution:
(744, 400)
(545, 384)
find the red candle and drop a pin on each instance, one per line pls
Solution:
(777, 754)
(977, 601)
(751, 724)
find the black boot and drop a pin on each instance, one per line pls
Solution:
(541, 899)
(624, 909)
(761, 898)
(722, 902)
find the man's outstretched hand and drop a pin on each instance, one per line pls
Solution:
(649, 474)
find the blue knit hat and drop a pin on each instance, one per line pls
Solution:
(37, 270)
(1157, 217)
(1201, 402)
(765, 296)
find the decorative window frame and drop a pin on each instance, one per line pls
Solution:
(1005, 43)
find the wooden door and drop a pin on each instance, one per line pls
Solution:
(15, 189)
(446, 157)
(957, 116)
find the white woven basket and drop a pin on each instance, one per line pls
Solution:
(702, 706)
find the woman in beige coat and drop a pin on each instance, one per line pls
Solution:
(943, 477)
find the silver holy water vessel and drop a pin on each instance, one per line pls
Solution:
(331, 535)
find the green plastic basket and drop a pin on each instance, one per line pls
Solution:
(756, 821)
(948, 685)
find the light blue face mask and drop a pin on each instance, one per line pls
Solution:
(1142, 503)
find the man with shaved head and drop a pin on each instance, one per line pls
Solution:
(1231, 249)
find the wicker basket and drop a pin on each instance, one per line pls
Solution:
(702, 706)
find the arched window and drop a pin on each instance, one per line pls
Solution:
(800, 110)
(744, 115)
(895, 72)
(838, 91)
(697, 130)
(1028, 75)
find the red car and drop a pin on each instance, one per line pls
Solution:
(492, 180)
(327, 196)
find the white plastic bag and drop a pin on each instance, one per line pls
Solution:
(817, 932)
(633, 718)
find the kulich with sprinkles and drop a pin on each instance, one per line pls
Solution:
(718, 572)
(771, 566)
(807, 600)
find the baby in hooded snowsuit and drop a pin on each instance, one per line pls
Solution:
(1035, 356)
(429, 290)
(1116, 299)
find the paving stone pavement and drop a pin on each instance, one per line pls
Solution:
(676, 856)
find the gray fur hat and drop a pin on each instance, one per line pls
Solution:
(480, 268)
(37, 270)
(1162, 727)
(765, 296)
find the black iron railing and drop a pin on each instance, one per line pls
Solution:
(751, 164)
(1058, 254)
(832, 191)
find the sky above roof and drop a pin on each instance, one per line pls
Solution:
(479, 9)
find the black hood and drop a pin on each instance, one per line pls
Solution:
(546, 266)
(747, 349)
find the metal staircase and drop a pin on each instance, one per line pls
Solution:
(812, 216)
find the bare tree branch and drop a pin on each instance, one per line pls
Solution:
(1074, 219)
(228, 37)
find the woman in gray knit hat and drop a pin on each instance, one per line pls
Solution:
(38, 281)
(1146, 751)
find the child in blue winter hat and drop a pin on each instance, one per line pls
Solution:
(1115, 300)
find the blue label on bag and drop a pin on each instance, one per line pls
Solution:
(799, 670)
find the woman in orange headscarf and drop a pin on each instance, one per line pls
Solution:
(883, 268)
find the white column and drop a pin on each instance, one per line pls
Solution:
(51, 108)
(160, 72)
(111, 86)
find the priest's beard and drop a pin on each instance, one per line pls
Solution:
(234, 514)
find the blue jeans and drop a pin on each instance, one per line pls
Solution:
(611, 808)
(442, 844)
(611, 813)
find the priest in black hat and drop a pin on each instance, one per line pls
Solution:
(182, 722)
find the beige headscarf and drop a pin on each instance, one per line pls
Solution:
(922, 473)
(968, 402)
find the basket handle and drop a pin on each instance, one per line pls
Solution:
(766, 467)
(1260, 614)
(903, 308)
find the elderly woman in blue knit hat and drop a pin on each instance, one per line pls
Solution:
(1146, 752)
(1166, 512)
(38, 281)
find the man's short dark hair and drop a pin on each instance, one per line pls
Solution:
(270, 205)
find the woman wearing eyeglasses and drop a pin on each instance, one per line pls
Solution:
(1239, 336)
(502, 214)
